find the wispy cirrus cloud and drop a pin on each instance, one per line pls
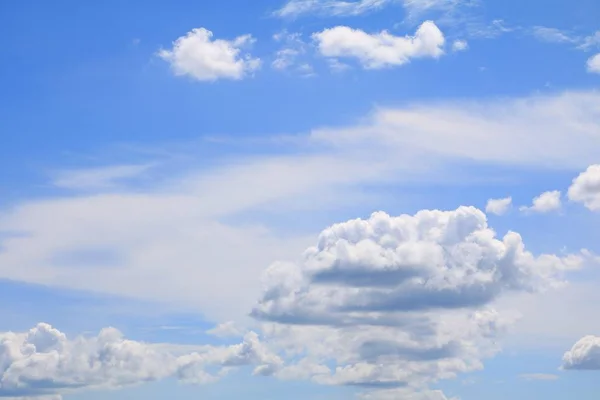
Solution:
(295, 8)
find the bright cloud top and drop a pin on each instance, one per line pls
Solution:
(544, 203)
(498, 206)
(585, 354)
(593, 64)
(203, 58)
(586, 188)
(43, 361)
(396, 301)
(380, 50)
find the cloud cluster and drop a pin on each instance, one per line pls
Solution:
(380, 50)
(203, 58)
(398, 302)
(44, 362)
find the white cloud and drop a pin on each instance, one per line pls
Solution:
(585, 188)
(295, 8)
(203, 58)
(45, 362)
(590, 41)
(227, 329)
(584, 355)
(168, 236)
(593, 64)
(545, 202)
(498, 206)
(397, 301)
(380, 50)
(553, 35)
(539, 377)
(460, 45)
(98, 178)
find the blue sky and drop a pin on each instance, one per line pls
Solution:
(166, 165)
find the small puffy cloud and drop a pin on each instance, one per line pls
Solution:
(203, 58)
(545, 202)
(45, 362)
(498, 206)
(539, 377)
(398, 302)
(584, 355)
(593, 64)
(585, 188)
(460, 45)
(380, 50)
(295, 8)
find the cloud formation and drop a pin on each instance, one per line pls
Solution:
(168, 235)
(45, 362)
(498, 206)
(585, 188)
(380, 50)
(397, 302)
(584, 355)
(544, 203)
(203, 58)
(593, 64)
(295, 8)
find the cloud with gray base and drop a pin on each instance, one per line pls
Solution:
(45, 362)
(584, 355)
(399, 302)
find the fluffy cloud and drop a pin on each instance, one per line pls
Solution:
(168, 235)
(586, 188)
(584, 355)
(397, 302)
(460, 45)
(593, 64)
(545, 202)
(380, 50)
(203, 58)
(498, 206)
(294, 8)
(44, 362)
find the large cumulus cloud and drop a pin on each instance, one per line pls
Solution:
(394, 303)
(45, 362)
